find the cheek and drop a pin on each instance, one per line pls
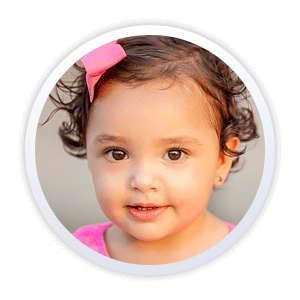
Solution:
(191, 187)
(109, 187)
(107, 181)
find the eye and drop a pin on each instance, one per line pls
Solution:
(117, 154)
(174, 154)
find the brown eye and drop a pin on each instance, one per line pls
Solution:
(116, 154)
(173, 155)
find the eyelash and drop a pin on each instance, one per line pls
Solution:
(178, 148)
(109, 149)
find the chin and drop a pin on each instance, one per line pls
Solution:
(147, 236)
(149, 239)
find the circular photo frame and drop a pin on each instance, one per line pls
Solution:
(262, 180)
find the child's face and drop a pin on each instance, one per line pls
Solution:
(149, 146)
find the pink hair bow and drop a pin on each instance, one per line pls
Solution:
(98, 61)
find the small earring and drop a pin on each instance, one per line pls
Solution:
(219, 178)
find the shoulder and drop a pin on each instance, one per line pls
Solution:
(217, 229)
(218, 225)
(230, 226)
(91, 230)
(93, 237)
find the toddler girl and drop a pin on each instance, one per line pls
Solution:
(159, 120)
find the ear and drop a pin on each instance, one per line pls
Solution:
(225, 162)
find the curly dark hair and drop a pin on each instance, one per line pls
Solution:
(153, 57)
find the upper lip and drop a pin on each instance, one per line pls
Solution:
(146, 205)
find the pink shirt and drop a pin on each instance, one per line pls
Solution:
(93, 236)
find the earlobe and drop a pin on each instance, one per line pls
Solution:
(225, 162)
(218, 181)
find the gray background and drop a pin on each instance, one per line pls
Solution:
(68, 187)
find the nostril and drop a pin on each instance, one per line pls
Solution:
(144, 183)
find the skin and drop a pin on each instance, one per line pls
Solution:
(144, 124)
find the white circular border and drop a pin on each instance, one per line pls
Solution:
(150, 269)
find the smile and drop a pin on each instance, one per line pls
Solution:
(146, 212)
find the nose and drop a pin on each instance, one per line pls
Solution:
(145, 177)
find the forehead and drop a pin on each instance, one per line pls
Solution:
(154, 106)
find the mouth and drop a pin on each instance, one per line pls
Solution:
(146, 212)
(145, 206)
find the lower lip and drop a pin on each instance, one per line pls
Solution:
(147, 215)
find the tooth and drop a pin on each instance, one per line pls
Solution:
(144, 208)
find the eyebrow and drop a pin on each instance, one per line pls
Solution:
(106, 138)
(181, 140)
